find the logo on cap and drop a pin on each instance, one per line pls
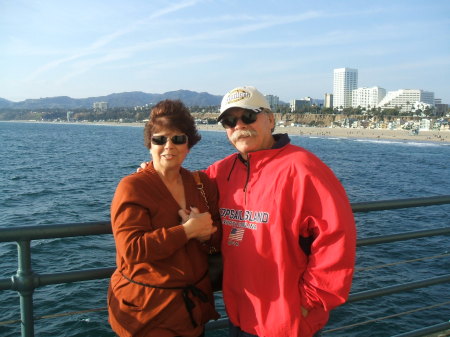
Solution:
(237, 95)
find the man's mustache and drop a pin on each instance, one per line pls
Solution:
(242, 133)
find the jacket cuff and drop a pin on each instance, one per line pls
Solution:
(305, 302)
(178, 235)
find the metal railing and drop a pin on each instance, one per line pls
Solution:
(25, 281)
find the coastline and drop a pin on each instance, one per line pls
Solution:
(380, 134)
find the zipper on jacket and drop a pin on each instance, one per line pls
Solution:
(232, 167)
(247, 165)
(247, 179)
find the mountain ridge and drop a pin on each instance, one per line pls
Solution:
(115, 100)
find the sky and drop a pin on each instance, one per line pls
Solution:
(287, 48)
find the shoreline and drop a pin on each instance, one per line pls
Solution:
(379, 134)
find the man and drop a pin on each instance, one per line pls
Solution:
(288, 230)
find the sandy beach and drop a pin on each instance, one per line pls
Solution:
(401, 135)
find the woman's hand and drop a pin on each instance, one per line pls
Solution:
(197, 225)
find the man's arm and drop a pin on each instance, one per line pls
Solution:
(328, 276)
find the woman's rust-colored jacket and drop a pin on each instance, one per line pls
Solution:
(159, 272)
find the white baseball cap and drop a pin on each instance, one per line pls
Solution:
(246, 97)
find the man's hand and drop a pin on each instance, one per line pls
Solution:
(142, 166)
(188, 214)
(304, 312)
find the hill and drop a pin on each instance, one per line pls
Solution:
(125, 99)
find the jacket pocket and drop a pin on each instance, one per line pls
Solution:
(129, 306)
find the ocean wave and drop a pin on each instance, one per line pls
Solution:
(397, 142)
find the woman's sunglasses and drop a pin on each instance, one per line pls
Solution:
(177, 140)
(248, 117)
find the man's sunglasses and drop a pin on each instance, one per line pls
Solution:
(248, 117)
(177, 140)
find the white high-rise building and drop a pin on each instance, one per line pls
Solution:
(345, 80)
(367, 97)
(328, 100)
(406, 99)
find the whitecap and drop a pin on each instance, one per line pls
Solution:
(396, 142)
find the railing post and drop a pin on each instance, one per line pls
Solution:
(24, 283)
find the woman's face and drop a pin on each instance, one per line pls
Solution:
(168, 150)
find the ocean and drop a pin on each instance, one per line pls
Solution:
(65, 173)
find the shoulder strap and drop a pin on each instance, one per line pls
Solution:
(199, 184)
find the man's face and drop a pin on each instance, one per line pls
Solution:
(251, 137)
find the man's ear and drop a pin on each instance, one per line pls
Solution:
(271, 120)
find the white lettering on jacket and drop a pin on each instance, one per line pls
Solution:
(241, 218)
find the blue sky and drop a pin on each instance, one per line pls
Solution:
(286, 48)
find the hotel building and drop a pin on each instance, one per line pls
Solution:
(367, 97)
(406, 99)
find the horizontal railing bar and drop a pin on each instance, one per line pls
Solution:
(365, 295)
(426, 331)
(102, 273)
(54, 231)
(383, 205)
(75, 276)
(65, 277)
(402, 236)
(97, 228)
(5, 284)
(104, 227)
(221, 323)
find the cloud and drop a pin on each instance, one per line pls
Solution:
(197, 59)
(133, 27)
(412, 65)
(107, 39)
(251, 24)
(85, 66)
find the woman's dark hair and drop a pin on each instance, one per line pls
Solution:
(170, 115)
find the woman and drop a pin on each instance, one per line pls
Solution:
(163, 224)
